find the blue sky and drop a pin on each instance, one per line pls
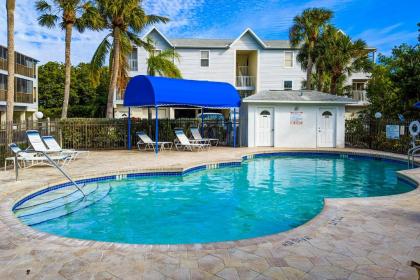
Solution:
(382, 24)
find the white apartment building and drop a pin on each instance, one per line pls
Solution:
(248, 62)
(26, 86)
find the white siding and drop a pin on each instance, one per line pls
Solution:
(246, 42)
(293, 136)
(273, 73)
(221, 67)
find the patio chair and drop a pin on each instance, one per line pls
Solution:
(183, 141)
(29, 159)
(149, 144)
(197, 136)
(38, 145)
(53, 145)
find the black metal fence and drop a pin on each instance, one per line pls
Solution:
(109, 134)
(370, 133)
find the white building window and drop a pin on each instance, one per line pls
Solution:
(288, 85)
(205, 58)
(288, 59)
(132, 60)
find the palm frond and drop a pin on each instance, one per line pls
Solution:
(98, 59)
(48, 20)
(43, 6)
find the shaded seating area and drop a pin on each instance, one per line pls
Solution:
(155, 92)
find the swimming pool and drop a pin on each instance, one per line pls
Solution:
(262, 196)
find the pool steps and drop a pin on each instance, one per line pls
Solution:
(42, 210)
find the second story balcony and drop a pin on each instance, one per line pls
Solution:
(245, 82)
(19, 69)
(20, 97)
(359, 95)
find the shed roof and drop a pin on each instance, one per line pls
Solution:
(297, 96)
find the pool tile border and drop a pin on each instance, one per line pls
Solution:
(13, 222)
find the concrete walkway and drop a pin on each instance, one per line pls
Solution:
(364, 238)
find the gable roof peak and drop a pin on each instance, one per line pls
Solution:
(253, 34)
(154, 28)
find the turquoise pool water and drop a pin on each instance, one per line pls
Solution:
(262, 196)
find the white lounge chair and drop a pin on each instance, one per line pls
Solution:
(183, 141)
(149, 144)
(38, 145)
(197, 136)
(29, 159)
(53, 146)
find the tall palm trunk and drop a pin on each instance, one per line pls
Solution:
(69, 29)
(10, 6)
(333, 87)
(114, 73)
(309, 72)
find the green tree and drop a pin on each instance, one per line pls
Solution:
(124, 19)
(402, 69)
(339, 56)
(86, 99)
(382, 93)
(163, 64)
(68, 13)
(306, 30)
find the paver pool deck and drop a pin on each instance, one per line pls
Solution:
(357, 238)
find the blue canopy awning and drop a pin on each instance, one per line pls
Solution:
(417, 105)
(149, 91)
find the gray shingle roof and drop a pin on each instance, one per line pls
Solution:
(301, 96)
(223, 43)
(201, 43)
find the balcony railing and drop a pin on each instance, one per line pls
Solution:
(20, 97)
(359, 95)
(19, 68)
(245, 81)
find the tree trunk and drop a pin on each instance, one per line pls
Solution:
(10, 6)
(309, 72)
(69, 29)
(114, 73)
(333, 87)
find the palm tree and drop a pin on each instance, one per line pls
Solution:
(10, 7)
(306, 30)
(124, 19)
(340, 56)
(71, 13)
(163, 64)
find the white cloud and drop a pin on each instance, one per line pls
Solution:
(48, 44)
(387, 37)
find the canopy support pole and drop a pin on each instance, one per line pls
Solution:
(202, 121)
(234, 127)
(129, 129)
(156, 130)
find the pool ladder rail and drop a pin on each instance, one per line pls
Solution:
(411, 154)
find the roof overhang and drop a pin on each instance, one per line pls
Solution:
(298, 102)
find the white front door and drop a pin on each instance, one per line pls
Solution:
(326, 128)
(264, 128)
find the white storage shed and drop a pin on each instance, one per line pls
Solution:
(293, 119)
